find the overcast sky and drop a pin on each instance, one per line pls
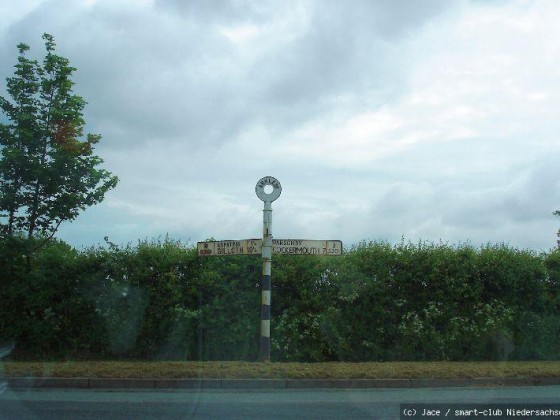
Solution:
(382, 119)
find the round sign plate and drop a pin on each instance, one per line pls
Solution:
(276, 189)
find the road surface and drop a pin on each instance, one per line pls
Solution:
(252, 404)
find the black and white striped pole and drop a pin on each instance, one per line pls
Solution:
(274, 191)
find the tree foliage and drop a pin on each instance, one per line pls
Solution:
(48, 172)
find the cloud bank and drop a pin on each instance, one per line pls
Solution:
(430, 120)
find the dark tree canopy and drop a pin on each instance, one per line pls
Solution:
(48, 172)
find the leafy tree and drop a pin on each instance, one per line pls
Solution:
(48, 172)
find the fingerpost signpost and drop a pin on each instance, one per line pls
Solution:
(266, 247)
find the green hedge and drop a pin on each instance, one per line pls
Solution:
(159, 300)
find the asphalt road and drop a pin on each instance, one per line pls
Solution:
(255, 404)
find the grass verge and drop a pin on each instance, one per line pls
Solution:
(248, 370)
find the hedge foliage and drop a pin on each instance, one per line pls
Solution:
(378, 302)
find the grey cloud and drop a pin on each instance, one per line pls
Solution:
(535, 196)
(514, 207)
(350, 48)
(164, 83)
(144, 83)
(387, 18)
(148, 74)
(343, 52)
(216, 11)
(527, 195)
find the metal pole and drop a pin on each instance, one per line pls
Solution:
(265, 286)
(267, 198)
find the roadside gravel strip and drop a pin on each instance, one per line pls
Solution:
(143, 383)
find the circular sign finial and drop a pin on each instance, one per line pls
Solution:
(276, 189)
